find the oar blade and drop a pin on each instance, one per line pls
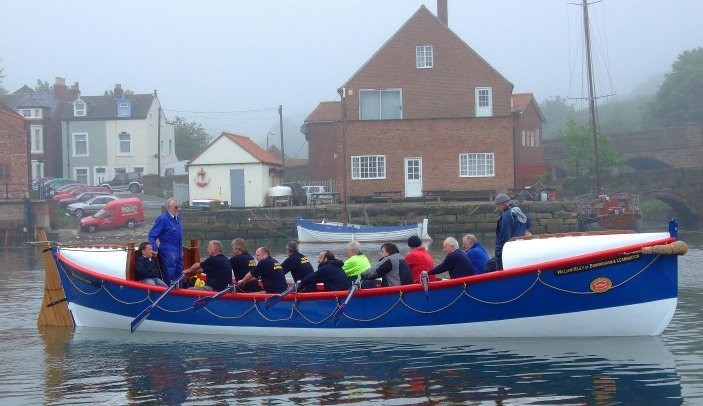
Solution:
(272, 300)
(425, 280)
(140, 318)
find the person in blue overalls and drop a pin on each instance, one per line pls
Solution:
(168, 230)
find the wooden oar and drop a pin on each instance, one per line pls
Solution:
(145, 313)
(425, 280)
(272, 300)
(202, 302)
(355, 286)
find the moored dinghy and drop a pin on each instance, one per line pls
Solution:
(311, 231)
(613, 285)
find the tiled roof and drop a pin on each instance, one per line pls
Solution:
(326, 111)
(26, 97)
(105, 107)
(520, 101)
(251, 147)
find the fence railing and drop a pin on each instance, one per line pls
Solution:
(12, 190)
(330, 185)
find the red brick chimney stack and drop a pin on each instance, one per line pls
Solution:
(60, 89)
(117, 93)
(442, 12)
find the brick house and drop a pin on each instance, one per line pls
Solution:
(424, 113)
(14, 165)
(43, 111)
(529, 152)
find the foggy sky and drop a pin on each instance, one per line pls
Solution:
(229, 64)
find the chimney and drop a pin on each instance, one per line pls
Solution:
(60, 90)
(442, 13)
(117, 93)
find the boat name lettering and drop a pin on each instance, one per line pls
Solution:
(596, 265)
(83, 279)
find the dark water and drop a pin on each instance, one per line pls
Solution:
(90, 366)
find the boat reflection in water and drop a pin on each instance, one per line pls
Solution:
(110, 365)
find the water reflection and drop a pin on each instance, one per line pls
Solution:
(103, 365)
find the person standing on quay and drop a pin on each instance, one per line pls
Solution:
(168, 230)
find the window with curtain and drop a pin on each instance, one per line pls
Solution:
(80, 144)
(380, 105)
(124, 143)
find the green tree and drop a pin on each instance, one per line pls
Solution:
(43, 87)
(680, 98)
(578, 139)
(557, 110)
(111, 92)
(191, 138)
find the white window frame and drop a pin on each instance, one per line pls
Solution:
(477, 165)
(37, 169)
(424, 56)
(170, 147)
(119, 144)
(37, 138)
(123, 109)
(87, 174)
(26, 113)
(380, 93)
(118, 169)
(484, 101)
(139, 168)
(368, 167)
(37, 113)
(79, 108)
(87, 145)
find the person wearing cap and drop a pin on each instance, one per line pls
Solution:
(456, 262)
(513, 222)
(418, 259)
(475, 252)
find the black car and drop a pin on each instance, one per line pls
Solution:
(299, 196)
(122, 182)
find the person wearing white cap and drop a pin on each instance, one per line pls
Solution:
(513, 222)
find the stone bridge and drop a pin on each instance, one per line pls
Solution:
(665, 164)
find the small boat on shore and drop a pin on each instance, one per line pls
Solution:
(566, 285)
(324, 231)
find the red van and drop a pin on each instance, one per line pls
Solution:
(122, 212)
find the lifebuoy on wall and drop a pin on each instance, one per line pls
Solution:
(202, 178)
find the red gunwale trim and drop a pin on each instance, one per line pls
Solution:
(340, 295)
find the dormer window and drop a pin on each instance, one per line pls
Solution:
(424, 56)
(79, 108)
(124, 108)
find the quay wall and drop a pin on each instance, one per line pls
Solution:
(445, 219)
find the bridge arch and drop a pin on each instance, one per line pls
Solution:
(686, 212)
(644, 163)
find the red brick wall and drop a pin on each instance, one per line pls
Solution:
(13, 144)
(446, 90)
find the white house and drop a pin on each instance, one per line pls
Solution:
(234, 169)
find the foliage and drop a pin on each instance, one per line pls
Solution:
(578, 139)
(111, 92)
(556, 111)
(679, 99)
(191, 138)
(43, 87)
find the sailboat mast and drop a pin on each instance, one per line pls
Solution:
(591, 96)
(343, 94)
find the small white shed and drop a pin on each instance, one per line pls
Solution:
(233, 168)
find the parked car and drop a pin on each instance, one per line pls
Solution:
(75, 191)
(122, 182)
(126, 212)
(83, 197)
(49, 187)
(175, 168)
(91, 206)
(299, 197)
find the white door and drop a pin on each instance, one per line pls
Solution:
(413, 177)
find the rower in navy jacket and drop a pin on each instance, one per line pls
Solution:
(329, 272)
(456, 262)
(297, 264)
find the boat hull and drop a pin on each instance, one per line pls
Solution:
(309, 231)
(611, 293)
